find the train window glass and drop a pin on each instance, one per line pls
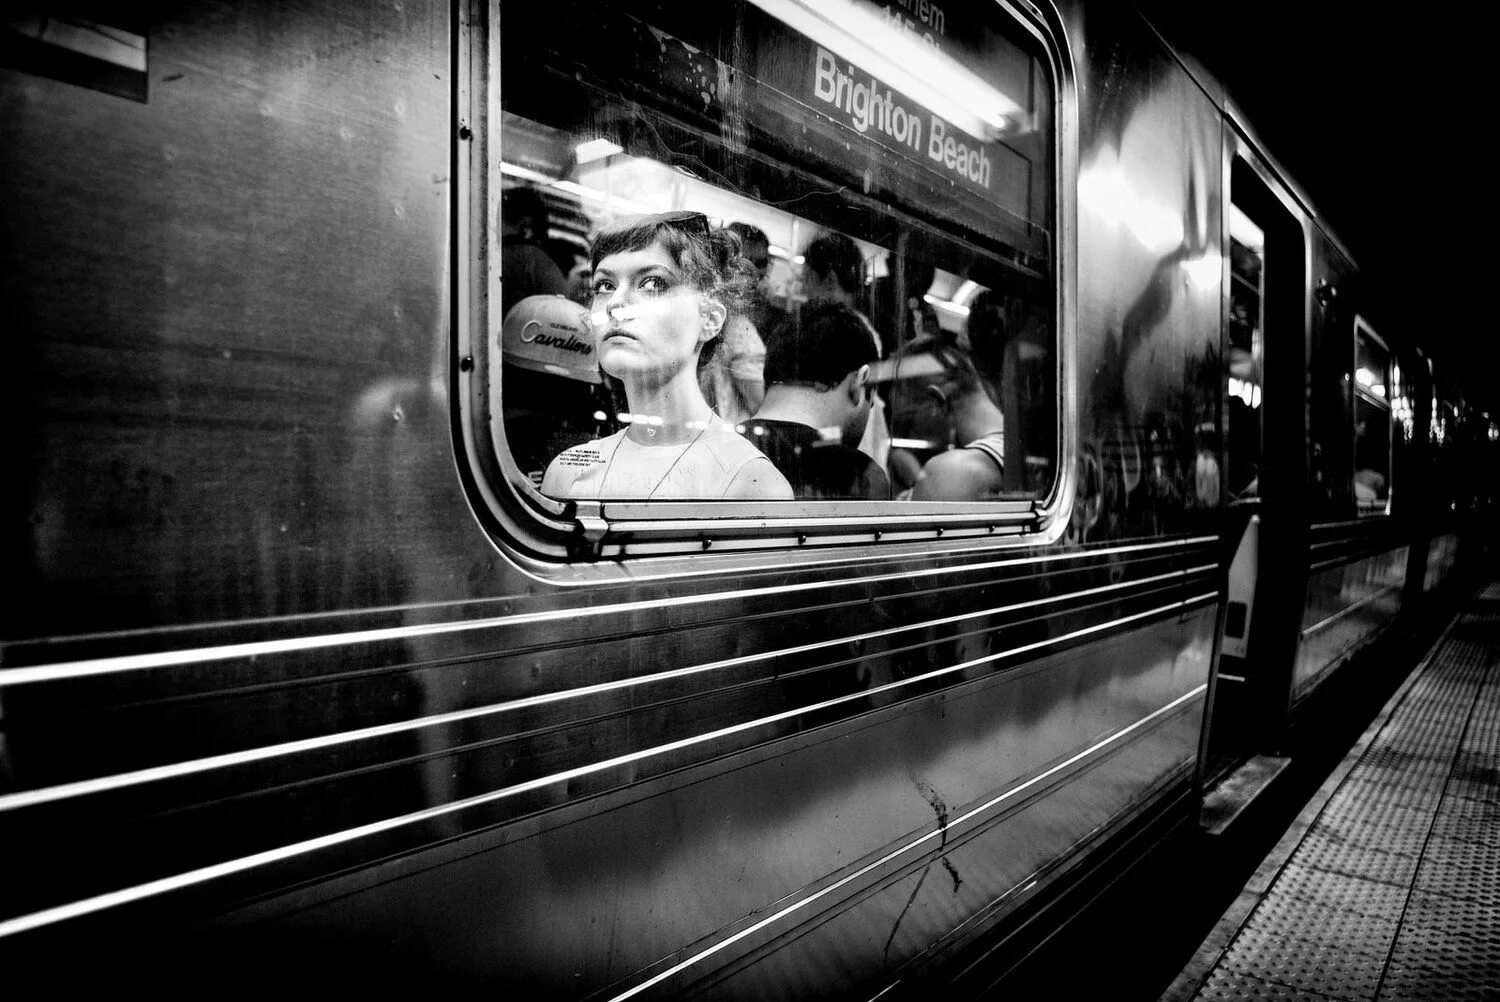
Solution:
(1244, 354)
(885, 329)
(1372, 421)
(1403, 426)
(1403, 404)
(1440, 428)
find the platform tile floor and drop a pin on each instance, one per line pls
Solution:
(1392, 891)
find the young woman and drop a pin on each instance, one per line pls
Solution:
(663, 290)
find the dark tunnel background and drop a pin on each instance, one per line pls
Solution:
(1377, 113)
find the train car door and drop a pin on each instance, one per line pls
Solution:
(1264, 464)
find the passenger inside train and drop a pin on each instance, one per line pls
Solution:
(974, 469)
(834, 270)
(525, 263)
(817, 403)
(665, 286)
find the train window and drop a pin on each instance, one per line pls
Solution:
(1244, 354)
(1403, 405)
(1403, 427)
(1372, 420)
(776, 250)
(1441, 427)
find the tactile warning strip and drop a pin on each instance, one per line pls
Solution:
(1402, 831)
(1470, 926)
(1416, 984)
(1467, 871)
(1393, 893)
(1225, 984)
(1326, 852)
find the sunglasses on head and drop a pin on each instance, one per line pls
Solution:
(683, 219)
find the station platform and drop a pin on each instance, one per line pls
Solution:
(1387, 885)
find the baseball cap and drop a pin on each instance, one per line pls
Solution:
(550, 334)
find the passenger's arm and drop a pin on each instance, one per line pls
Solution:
(957, 475)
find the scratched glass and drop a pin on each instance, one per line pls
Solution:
(892, 163)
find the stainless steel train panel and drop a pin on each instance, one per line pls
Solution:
(1353, 593)
(848, 852)
(234, 304)
(1150, 273)
(413, 735)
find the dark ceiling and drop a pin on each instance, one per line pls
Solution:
(1375, 116)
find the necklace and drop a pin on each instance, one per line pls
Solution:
(652, 492)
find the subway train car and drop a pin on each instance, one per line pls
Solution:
(307, 680)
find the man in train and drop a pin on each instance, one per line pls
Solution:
(834, 270)
(526, 269)
(817, 402)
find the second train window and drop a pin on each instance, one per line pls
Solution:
(1373, 393)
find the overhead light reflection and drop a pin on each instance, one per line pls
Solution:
(610, 202)
(596, 149)
(603, 198)
(1364, 377)
(1205, 272)
(1105, 190)
(524, 173)
(1246, 232)
(1248, 392)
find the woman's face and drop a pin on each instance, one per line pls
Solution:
(650, 322)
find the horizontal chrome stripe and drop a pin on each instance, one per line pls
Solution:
(895, 854)
(168, 659)
(63, 791)
(1367, 524)
(1352, 555)
(87, 906)
(1310, 630)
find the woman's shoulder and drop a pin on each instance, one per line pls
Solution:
(751, 474)
(728, 445)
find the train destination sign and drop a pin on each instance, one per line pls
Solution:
(894, 121)
(838, 71)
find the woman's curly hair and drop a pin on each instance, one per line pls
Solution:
(711, 261)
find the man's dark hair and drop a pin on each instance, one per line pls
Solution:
(822, 342)
(754, 243)
(836, 255)
(524, 206)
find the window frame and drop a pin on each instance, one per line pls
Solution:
(609, 530)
